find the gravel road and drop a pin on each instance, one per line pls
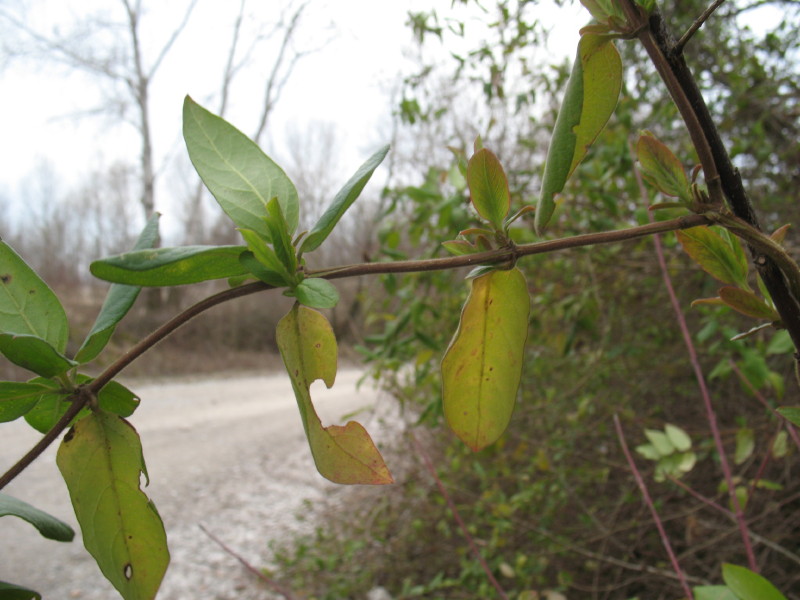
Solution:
(227, 453)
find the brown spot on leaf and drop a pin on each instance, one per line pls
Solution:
(6, 278)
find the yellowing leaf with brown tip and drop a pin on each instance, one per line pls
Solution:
(342, 454)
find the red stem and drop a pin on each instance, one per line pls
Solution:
(710, 413)
(760, 397)
(653, 512)
(451, 505)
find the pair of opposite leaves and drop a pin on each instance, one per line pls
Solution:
(481, 371)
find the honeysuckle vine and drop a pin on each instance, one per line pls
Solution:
(481, 369)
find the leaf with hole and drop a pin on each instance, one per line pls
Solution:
(171, 266)
(482, 367)
(236, 171)
(48, 525)
(714, 255)
(589, 100)
(342, 454)
(101, 461)
(118, 302)
(488, 187)
(27, 305)
(342, 201)
(748, 585)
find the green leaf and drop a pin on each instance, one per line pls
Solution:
(661, 168)
(27, 305)
(267, 257)
(713, 592)
(35, 354)
(590, 98)
(748, 585)
(255, 267)
(791, 414)
(482, 367)
(48, 526)
(714, 255)
(238, 174)
(603, 10)
(678, 437)
(342, 201)
(317, 293)
(648, 451)
(16, 398)
(281, 239)
(114, 398)
(488, 187)
(118, 302)
(342, 454)
(171, 266)
(747, 303)
(101, 462)
(660, 441)
(780, 445)
(460, 247)
(9, 591)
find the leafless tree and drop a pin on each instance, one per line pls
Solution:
(110, 49)
(282, 36)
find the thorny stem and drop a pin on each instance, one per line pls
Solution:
(653, 512)
(78, 402)
(457, 516)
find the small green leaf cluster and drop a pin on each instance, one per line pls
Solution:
(671, 450)
(261, 201)
(720, 254)
(131, 550)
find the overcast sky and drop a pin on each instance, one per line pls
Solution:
(347, 83)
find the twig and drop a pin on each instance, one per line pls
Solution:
(697, 25)
(451, 505)
(759, 396)
(711, 415)
(436, 264)
(280, 589)
(653, 512)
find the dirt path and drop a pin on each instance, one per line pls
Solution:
(228, 454)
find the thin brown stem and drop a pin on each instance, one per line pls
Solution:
(277, 587)
(653, 512)
(457, 516)
(697, 25)
(498, 256)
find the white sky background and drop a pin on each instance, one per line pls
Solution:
(348, 83)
